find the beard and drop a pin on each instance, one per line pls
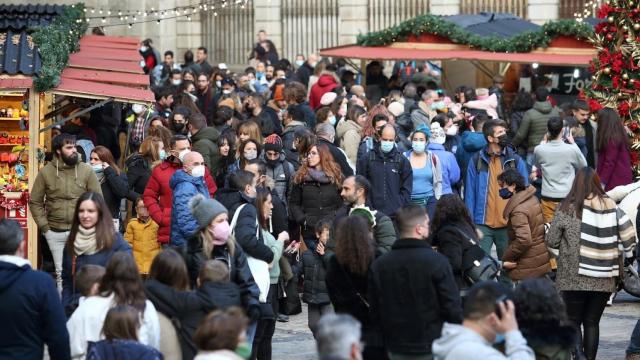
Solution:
(70, 160)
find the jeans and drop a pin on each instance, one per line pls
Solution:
(429, 203)
(634, 344)
(499, 237)
(315, 312)
(57, 242)
(585, 309)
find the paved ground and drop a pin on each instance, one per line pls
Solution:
(295, 339)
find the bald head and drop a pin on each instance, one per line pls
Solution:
(191, 160)
(388, 133)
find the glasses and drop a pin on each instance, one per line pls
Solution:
(312, 153)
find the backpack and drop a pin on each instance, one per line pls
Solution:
(397, 160)
(513, 164)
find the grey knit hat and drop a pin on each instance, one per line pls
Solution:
(205, 210)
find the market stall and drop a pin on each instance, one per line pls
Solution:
(37, 92)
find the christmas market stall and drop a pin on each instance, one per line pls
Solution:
(50, 71)
(473, 48)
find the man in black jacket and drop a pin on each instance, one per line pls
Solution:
(31, 312)
(411, 290)
(204, 140)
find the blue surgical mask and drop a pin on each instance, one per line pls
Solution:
(500, 338)
(438, 105)
(162, 154)
(418, 146)
(386, 146)
(259, 75)
(97, 168)
(332, 120)
(505, 193)
(299, 62)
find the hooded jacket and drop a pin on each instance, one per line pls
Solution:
(288, 136)
(391, 179)
(183, 224)
(349, 133)
(525, 227)
(186, 309)
(31, 313)
(204, 142)
(114, 188)
(534, 124)
(158, 196)
(488, 104)
(459, 342)
(471, 142)
(143, 239)
(62, 185)
(282, 173)
(326, 83)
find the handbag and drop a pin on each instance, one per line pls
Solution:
(485, 269)
(631, 280)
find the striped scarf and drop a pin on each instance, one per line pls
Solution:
(605, 233)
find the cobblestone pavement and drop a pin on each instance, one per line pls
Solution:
(295, 339)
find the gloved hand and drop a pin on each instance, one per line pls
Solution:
(629, 261)
(253, 312)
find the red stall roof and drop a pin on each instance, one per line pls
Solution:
(561, 51)
(10, 83)
(106, 67)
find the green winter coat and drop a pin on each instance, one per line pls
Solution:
(205, 143)
(534, 125)
(62, 185)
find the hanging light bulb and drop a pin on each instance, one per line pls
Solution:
(104, 20)
(576, 73)
(130, 25)
(535, 65)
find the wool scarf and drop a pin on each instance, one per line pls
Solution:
(606, 233)
(85, 242)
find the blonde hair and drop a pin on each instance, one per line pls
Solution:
(207, 243)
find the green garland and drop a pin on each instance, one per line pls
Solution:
(55, 42)
(436, 25)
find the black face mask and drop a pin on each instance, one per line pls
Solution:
(272, 163)
(178, 126)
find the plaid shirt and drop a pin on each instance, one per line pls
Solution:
(137, 133)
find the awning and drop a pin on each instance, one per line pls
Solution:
(106, 67)
(12, 83)
(552, 55)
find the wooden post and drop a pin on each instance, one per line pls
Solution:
(363, 71)
(34, 142)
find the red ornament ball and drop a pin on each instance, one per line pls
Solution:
(609, 37)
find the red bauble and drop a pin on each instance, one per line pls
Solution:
(633, 126)
(625, 83)
(609, 37)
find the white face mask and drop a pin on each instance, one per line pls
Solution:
(218, 84)
(198, 171)
(226, 92)
(250, 154)
(137, 108)
(193, 97)
(182, 154)
(299, 62)
(143, 48)
(176, 82)
(452, 130)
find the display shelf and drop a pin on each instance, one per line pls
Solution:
(9, 119)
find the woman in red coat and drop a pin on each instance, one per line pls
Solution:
(326, 83)
(614, 159)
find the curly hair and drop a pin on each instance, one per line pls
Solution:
(448, 209)
(327, 164)
(522, 102)
(538, 304)
(355, 249)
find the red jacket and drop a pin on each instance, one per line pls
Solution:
(325, 84)
(158, 196)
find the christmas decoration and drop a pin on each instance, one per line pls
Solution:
(55, 42)
(436, 25)
(616, 68)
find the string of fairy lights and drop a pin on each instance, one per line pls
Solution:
(589, 8)
(127, 17)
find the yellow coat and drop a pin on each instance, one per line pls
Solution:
(143, 238)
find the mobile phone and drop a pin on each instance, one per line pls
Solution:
(501, 299)
(566, 131)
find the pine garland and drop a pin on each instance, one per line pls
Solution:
(56, 41)
(436, 25)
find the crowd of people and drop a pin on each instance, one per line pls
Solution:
(377, 203)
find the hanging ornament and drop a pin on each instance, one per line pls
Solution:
(636, 26)
(606, 70)
(625, 76)
(609, 37)
(610, 19)
(625, 28)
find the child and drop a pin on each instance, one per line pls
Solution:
(87, 283)
(120, 330)
(214, 283)
(142, 235)
(221, 335)
(315, 289)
